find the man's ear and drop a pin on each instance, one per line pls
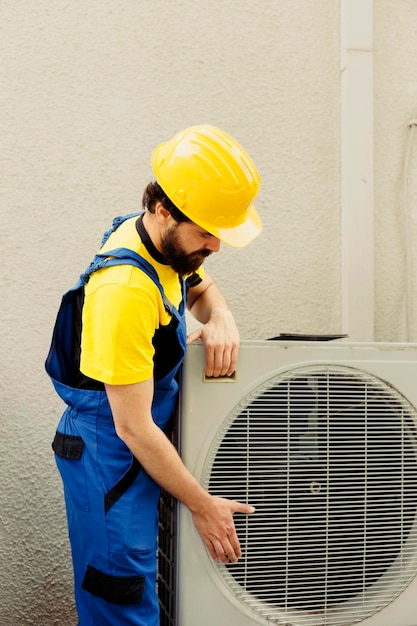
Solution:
(162, 214)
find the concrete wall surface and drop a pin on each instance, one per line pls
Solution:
(395, 166)
(87, 90)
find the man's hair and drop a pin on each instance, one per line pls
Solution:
(153, 194)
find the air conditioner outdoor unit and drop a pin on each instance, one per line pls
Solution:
(321, 437)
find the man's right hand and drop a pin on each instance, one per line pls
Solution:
(216, 527)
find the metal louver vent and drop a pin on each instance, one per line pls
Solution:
(328, 457)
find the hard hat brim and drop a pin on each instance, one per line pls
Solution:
(238, 236)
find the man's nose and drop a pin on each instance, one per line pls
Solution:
(213, 244)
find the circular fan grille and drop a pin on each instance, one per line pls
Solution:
(327, 455)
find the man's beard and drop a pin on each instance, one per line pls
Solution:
(175, 256)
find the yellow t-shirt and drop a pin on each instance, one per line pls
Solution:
(123, 313)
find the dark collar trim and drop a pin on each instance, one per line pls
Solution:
(148, 243)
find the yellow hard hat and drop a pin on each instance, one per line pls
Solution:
(212, 180)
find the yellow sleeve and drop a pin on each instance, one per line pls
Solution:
(118, 325)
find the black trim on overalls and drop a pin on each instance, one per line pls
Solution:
(122, 485)
(68, 446)
(115, 589)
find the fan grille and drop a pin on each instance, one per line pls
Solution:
(327, 455)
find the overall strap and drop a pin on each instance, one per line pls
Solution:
(125, 256)
(116, 223)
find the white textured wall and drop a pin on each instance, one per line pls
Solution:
(395, 27)
(87, 89)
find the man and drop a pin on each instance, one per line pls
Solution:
(118, 344)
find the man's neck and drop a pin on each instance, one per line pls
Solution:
(152, 228)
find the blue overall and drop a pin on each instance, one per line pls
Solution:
(111, 502)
